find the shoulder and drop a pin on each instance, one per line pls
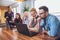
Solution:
(12, 12)
(52, 16)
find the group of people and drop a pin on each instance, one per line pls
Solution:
(44, 22)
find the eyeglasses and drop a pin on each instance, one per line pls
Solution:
(42, 13)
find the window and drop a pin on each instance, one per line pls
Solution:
(19, 9)
(15, 11)
(53, 6)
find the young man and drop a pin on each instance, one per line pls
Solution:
(48, 22)
(9, 15)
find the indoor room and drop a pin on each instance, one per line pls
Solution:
(29, 20)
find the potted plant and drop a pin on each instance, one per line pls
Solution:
(26, 9)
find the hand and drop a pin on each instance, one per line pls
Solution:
(15, 26)
(7, 17)
(45, 32)
(29, 29)
(10, 21)
(33, 29)
(13, 20)
(39, 19)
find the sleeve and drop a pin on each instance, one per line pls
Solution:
(15, 20)
(53, 26)
(12, 14)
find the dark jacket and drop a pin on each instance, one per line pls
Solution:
(9, 16)
(17, 20)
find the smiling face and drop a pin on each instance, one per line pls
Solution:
(25, 14)
(43, 14)
(9, 9)
(17, 16)
(33, 14)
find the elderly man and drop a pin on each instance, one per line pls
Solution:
(26, 18)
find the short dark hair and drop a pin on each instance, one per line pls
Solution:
(44, 8)
(8, 6)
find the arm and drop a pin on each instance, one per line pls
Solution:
(36, 28)
(12, 15)
(29, 25)
(53, 27)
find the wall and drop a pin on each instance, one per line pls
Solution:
(53, 5)
(3, 10)
(29, 3)
(20, 0)
(0, 14)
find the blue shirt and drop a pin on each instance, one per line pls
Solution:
(52, 25)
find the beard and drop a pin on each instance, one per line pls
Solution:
(43, 17)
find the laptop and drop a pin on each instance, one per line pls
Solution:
(22, 28)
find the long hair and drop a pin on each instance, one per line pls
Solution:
(19, 17)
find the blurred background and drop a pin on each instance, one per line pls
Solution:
(19, 6)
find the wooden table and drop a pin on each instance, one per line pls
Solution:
(14, 35)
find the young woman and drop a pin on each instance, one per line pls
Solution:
(18, 18)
